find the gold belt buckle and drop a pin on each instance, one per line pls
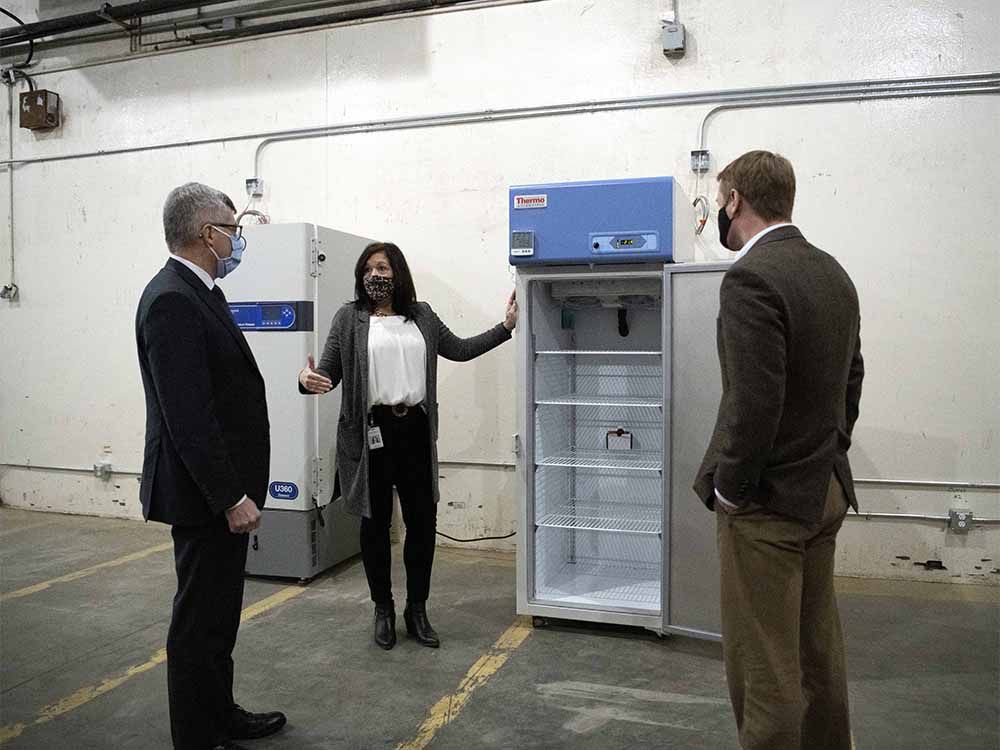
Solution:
(400, 410)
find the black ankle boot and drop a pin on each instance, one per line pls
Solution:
(417, 624)
(385, 625)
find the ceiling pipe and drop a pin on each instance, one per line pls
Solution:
(371, 12)
(105, 14)
(243, 13)
(292, 24)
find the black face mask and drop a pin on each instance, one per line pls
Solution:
(379, 288)
(724, 224)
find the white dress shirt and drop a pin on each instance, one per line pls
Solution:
(210, 283)
(197, 270)
(743, 251)
(397, 362)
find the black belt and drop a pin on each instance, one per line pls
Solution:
(396, 410)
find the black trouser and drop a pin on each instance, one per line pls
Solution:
(404, 461)
(210, 562)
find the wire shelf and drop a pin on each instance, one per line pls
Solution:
(603, 582)
(602, 517)
(582, 566)
(598, 352)
(619, 460)
(582, 399)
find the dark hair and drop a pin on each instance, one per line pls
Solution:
(765, 180)
(404, 295)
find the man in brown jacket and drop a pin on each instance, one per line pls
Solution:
(776, 469)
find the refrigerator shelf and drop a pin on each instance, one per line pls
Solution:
(618, 460)
(604, 582)
(597, 352)
(582, 399)
(599, 517)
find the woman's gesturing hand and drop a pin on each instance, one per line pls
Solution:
(510, 319)
(313, 381)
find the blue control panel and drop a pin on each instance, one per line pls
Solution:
(607, 221)
(273, 316)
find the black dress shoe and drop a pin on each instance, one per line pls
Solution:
(228, 746)
(244, 725)
(385, 625)
(418, 626)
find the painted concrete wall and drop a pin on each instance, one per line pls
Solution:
(902, 192)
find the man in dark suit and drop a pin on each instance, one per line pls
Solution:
(205, 467)
(776, 470)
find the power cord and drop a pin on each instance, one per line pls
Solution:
(704, 211)
(319, 515)
(31, 42)
(478, 538)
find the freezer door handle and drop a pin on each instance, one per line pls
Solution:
(517, 444)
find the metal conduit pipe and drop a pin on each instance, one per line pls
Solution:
(860, 94)
(242, 13)
(12, 281)
(508, 466)
(918, 483)
(97, 17)
(603, 106)
(438, 10)
(990, 486)
(979, 83)
(918, 517)
(293, 24)
(71, 469)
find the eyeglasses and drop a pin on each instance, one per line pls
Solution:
(237, 229)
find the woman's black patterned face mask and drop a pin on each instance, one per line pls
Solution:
(378, 288)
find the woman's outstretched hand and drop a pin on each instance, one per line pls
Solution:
(313, 381)
(510, 319)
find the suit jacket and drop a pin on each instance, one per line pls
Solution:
(345, 360)
(790, 352)
(207, 432)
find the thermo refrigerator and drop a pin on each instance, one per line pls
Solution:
(619, 386)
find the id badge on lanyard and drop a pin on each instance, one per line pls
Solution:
(374, 436)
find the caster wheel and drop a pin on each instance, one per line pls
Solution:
(539, 622)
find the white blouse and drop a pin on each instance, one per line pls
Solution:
(397, 362)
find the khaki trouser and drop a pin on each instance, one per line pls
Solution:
(781, 634)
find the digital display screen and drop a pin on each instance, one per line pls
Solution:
(270, 313)
(626, 243)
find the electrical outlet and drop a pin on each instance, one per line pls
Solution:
(960, 520)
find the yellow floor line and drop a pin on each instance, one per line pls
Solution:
(28, 590)
(448, 708)
(87, 694)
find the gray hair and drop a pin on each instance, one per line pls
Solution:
(190, 207)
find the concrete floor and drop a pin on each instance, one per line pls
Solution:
(924, 661)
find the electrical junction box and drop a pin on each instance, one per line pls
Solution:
(40, 110)
(673, 39)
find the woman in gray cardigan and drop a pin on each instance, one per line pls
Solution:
(384, 347)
